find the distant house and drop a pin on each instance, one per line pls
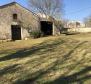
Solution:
(15, 20)
(77, 27)
(75, 24)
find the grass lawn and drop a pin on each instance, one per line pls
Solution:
(49, 60)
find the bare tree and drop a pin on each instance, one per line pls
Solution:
(51, 8)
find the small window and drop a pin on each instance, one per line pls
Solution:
(14, 16)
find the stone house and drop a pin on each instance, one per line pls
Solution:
(16, 22)
(75, 24)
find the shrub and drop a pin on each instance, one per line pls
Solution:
(36, 34)
(64, 30)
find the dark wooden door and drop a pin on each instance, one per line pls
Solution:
(16, 32)
(47, 27)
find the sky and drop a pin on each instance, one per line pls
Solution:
(77, 9)
(73, 9)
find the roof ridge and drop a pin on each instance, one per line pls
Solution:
(11, 3)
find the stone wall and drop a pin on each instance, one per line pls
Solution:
(80, 30)
(25, 18)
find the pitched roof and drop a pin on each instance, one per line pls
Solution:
(13, 3)
(9, 4)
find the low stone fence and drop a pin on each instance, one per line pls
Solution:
(80, 30)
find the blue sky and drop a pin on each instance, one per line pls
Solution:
(77, 9)
(73, 9)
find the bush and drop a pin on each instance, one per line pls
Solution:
(64, 30)
(36, 34)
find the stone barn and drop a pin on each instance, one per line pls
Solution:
(15, 21)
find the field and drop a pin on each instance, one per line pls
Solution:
(49, 60)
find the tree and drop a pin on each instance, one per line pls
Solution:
(51, 8)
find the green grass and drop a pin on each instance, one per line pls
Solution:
(49, 60)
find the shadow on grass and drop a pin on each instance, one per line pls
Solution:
(61, 80)
(78, 77)
(9, 69)
(46, 47)
(40, 49)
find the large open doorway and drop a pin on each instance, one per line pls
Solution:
(16, 32)
(46, 28)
